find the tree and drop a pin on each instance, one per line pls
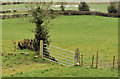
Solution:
(42, 16)
(113, 8)
(119, 7)
(83, 6)
(62, 6)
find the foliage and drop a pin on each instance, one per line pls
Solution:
(113, 8)
(83, 6)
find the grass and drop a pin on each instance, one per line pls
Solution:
(96, 7)
(99, 7)
(92, 7)
(88, 33)
(19, 7)
(98, 33)
(13, 31)
(56, 70)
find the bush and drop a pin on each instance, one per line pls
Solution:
(83, 7)
(112, 8)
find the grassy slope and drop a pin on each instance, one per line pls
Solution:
(88, 33)
(15, 30)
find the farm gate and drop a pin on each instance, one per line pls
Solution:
(56, 54)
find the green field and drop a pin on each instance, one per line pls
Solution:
(88, 33)
(19, 7)
(22, 7)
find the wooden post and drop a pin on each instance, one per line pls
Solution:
(14, 46)
(41, 49)
(78, 60)
(77, 57)
(81, 59)
(92, 60)
(97, 60)
(113, 62)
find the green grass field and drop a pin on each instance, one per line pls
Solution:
(19, 7)
(93, 7)
(88, 33)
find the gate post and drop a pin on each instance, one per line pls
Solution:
(77, 57)
(41, 49)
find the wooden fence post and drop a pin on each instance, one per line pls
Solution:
(113, 62)
(14, 46)
(92, 60)
(41, 49)
(77, 57)
(97, 60)
(81, 59)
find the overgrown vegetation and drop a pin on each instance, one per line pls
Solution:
(83, 6)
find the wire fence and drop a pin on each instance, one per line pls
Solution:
(69, 58)
(59, 55)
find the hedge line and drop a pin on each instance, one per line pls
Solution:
(8, 11)
(10, 3)
(69, 12)
(116, 15)
(13, 16)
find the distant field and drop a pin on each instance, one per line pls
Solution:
(19, 7)
(93, 7)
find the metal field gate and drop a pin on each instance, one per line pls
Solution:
(58, 55)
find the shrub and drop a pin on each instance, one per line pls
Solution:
(112, 8)
(83, 7)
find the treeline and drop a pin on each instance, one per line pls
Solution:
(8, 11)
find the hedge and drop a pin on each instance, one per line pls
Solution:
(10, 3)
(70, 12)
(7, 11)
(13, 16)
